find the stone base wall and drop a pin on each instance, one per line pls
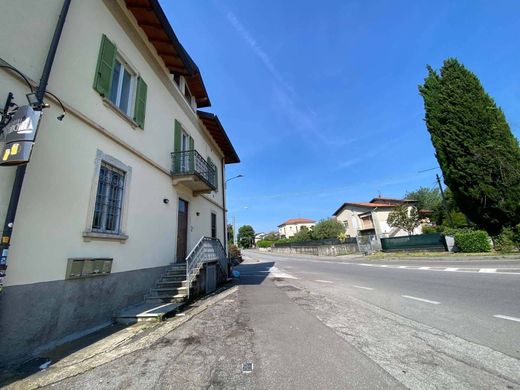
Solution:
(319, 250)
(39, 316)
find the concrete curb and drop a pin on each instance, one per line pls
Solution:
(122, 343)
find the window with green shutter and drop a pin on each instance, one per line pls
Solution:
(214, 178)
(140, 103)
(105, 66)
(116, 81)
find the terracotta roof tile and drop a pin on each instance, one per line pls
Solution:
(295, 221)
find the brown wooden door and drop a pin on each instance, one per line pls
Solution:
(182, 231)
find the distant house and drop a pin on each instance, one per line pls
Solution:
(260, 236)
(292, 226)
(366, 218)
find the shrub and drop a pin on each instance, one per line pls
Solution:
(264, 243)
(327, 228)
(505, 241)
(430, 229)
(472, 241)
(234, 252)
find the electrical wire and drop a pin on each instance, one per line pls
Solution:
(19, 73)
(59, 101)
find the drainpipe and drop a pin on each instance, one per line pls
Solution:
(20, 170)
(222, 163)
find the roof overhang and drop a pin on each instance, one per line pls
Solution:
(367, 205)
(217, 132)
(152, 20)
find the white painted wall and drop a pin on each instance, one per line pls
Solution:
(53, 208)
(290, 230)
(350, 214)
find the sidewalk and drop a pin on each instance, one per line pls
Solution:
(254, 322)
(293, 349)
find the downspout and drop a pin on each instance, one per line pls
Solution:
(20, 170)
(222, 164)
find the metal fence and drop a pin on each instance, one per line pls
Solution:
(328, 241)
(368, 243)
(428, 242)
(190, 162)
(206, 250)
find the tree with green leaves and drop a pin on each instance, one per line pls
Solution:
(427, 199)
(404, 217)
(246, 236)
(303, 235)
(327, 228)
(476, 151)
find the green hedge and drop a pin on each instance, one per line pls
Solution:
(473, 241)
(264, 243)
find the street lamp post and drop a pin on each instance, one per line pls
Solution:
(234, 177)
(234, 227)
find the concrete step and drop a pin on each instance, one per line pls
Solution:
(166, 298)
(176, 274)
(169, 290)
(171, 283)
(178, 266)
(147, 311)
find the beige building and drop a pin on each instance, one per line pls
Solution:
(292, 226)
(371, 218)
(125, 185)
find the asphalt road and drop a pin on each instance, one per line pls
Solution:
(304, 322)
(478, 300)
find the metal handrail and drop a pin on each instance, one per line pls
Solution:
(190, 162)
(207, 249)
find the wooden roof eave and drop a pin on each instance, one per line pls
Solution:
(152, 20)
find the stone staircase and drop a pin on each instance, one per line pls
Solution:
(177, 285)
(171, 287)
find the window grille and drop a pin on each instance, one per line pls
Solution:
(109, 200)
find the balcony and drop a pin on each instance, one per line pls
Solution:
(191, 170)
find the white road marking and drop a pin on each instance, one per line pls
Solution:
(364, 288)
(384, 266)
(274, 272)
(507, 317)
(421, 299)
(402, 266)
(424, 267)
(323, 281)
(487, 270)
(451, 269)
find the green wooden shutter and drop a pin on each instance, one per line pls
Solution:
(105, 66)
(211, 164)
(177, 146)
(140, 102)
(192, 155)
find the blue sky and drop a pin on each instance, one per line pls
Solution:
(321, 103)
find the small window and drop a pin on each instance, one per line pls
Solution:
(187, 93)
(122, 90)
(213, 225)
(109, 200)
(177, 79)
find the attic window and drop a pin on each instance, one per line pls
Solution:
(177, 79)
(187, 94)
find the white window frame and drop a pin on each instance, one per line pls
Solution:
(183, 86)
(120, 235)
(125, 65)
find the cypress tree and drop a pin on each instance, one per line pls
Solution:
(476, 151)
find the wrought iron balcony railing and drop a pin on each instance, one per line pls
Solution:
(190, 164)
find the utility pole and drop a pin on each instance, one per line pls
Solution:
(444, 200)
(234, 232)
